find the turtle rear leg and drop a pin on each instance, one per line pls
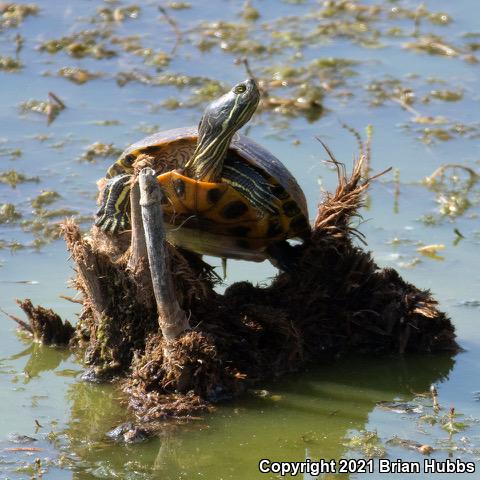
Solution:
(284, 256)
(113, 214)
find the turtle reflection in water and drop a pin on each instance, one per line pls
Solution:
(224, 195)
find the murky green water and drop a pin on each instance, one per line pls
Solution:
(311, 414)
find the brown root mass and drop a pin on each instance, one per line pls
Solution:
(44, 324)
(337, 300)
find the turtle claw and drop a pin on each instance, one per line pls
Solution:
(112, 216)
(112, 224)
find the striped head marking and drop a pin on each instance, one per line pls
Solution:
(221, 119)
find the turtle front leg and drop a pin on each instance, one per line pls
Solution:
(284, 256)
(113, 214)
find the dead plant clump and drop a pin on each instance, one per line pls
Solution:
(336, 301)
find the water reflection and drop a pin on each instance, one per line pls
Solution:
(40, 358)
(314, 410)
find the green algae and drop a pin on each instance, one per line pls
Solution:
(51, 108)
(9, 213)
(13, 14)
(13, 153)
(119, 14)
(447, 95)
(106, 123)
(98, 150)
(13, 178)
(78, 75)
(249, 13)
(10, 64)
(45, 198)
(86, 43)
(366, 442)
(179, 5)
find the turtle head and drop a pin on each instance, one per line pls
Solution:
(221, 119)
(224, 116)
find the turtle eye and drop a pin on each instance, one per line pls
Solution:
(240, 88)
(128, 160)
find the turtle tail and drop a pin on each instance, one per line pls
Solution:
(113, 214)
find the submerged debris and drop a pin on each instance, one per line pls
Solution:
(128, 433)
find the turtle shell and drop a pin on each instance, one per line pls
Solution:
(178, 145)
(218, 226)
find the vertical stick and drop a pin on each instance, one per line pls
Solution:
(139, 247)
(171, 317)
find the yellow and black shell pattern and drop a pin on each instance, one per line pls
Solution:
(215, 218)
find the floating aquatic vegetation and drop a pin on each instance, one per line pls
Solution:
(447, 95)
(10, 64)
(13, 14)
(422, 448)
(207, 92)
(77, 75)
(439, 18)
(434, 45)
(423, 120)
(82, 44)
(400, 407)
(411, 263)
(431, 251)
(179, 5)
(249, 13)
(131, 44)
(367, 443)
(449, 131)
(43, 230)
(171, 104)
(172, 79)
(455, 188)
(158, 59)
(106, 123)
(51, 107)
(232, 37)
(13, 153)
(388, 89)
(148, 129)
(13, 178)
(13, 246)
(474, 304)
(99, 150)
(119, 14)
(450, 424)
(9, 213)
(45, 198)
(59, 212)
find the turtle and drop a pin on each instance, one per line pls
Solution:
(224, 194)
